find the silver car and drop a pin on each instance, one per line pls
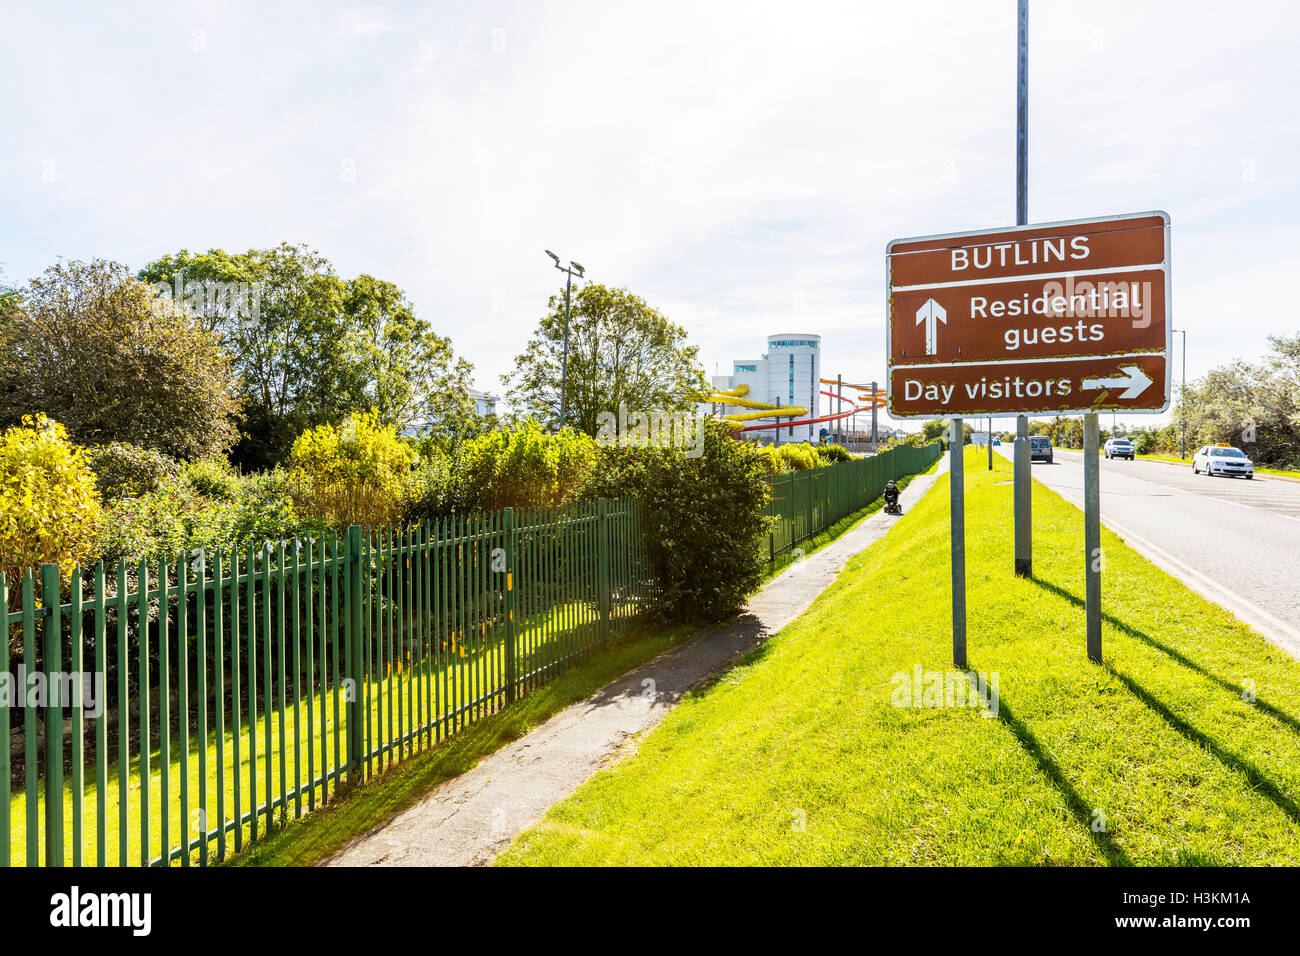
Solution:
(1222, 460)
(1119, 448)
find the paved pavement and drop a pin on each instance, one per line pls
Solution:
(1234, 541)
(469, 820)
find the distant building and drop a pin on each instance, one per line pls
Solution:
(485, 404)
(787, 374)
(859, 435)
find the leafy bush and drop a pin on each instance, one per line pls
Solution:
(123, 470)
(433, 492)
(213, 478)
(521, 467)
(773, 463)
(154, 524)
(178, 517)
(105, 355)
(49, 511)
(831, 454)
(703, 519)
(358, 473)
(799, 457)
(264, 510)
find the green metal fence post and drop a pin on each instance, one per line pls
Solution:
(352, 636)
(512, 666)
(5, 836)
(52, 631)
(602, 565)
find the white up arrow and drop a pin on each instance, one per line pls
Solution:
(931, 313)
(1134, 381)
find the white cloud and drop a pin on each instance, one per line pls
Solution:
(357, 23)
(741, 165)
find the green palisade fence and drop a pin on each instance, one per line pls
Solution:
(806, 503)
(228, 693)
(221, 695)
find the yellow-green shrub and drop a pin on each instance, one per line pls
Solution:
(832, 454)
(522, 468)
(49, 509)
(770, 458)
(357, 473)
(800, 457)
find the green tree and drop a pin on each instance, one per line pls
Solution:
(935, 428)
(1255, 405)
(278, 312)
(92, 347)
(312, 347)
(620, 350)
(406, 372)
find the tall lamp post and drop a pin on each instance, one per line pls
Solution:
(1182, 396)
(573, 269)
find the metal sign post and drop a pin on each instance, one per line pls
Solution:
(957, 513)
(1092, 534)
(1021, 499)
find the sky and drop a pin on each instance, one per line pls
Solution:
(741, 166)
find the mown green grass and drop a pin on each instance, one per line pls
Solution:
(798, 756)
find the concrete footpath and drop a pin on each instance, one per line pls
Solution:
(469, 820)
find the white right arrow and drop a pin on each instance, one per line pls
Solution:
(1134, 381)
(930, 313)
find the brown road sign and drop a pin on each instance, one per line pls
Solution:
(1040, 304)
(1123, 383)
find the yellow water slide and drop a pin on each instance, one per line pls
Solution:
(736, 397)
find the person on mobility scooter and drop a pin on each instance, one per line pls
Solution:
(891, 499)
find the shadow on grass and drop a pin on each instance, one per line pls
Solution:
(1078, 808)
(1129, 630)
(1259, 782)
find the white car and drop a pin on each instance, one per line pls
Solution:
(1222, 460)
(1119, 448)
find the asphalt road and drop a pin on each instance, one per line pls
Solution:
(1237, 542)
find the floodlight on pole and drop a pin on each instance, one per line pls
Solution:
(574, 269)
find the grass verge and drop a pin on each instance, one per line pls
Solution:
(353, 812)
(1183, 748)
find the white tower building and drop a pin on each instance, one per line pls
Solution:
(787, 374)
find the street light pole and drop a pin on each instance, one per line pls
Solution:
(574, 269)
